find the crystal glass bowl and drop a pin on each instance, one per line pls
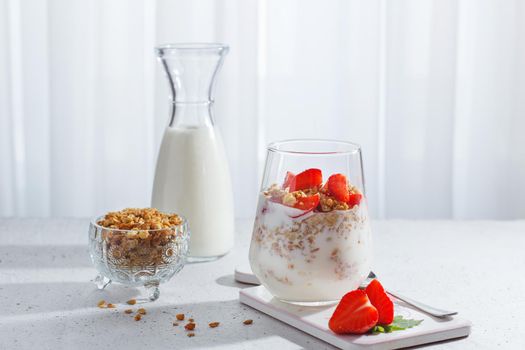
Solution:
(138, 257)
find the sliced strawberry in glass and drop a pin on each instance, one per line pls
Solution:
(338, 187)
(288, 179)
(354, 199)
(307, 179)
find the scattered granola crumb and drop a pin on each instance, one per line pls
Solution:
(175, 323)
(191, 334)
(190, 326)
(180, 317)
(128, 311)
(111, 306)
(101, 304)
(247, 322)
(131, 301)
(138, 317)
(214, 324)
(191, 320)
(141, 311)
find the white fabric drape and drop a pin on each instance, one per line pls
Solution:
(434, 91)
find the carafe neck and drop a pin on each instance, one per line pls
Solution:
(191, 114)
(191, 70)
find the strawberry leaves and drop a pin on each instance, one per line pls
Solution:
(399, 324)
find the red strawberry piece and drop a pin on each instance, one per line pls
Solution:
(307, 179)
(384, 305)
(354, 199)
(307, 203)
(288, 179)
(354, 314)
(338, 187)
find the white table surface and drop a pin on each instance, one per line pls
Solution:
(48, 301)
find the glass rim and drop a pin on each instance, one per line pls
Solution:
(353, 147)
(95, 220)
(192, 47)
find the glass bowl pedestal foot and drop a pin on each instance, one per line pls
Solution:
(152, 290)
(101, 281)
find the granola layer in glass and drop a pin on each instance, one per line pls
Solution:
(313, 243)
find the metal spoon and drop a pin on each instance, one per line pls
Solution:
(420, 306)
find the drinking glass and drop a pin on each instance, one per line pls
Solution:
(311, 240)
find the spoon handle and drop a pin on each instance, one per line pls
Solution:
(423, 307)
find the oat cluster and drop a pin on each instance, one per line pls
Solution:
(327, 202)
(190, 327)
(139, 219)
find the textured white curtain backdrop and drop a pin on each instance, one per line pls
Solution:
(434, 91)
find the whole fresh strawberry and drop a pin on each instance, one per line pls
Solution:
(382, 302)
(354, 314)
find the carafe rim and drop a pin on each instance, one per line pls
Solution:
(191, 47)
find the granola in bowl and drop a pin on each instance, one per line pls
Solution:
(138, 247)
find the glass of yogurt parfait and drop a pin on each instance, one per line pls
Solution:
(311, 240)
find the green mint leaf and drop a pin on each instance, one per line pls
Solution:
(388, 329)
(398, 324)
(377, 330)
(403, 323)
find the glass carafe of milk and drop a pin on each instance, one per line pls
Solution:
(192, 177)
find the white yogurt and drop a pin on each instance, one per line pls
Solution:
(192, 179)
(312, 258)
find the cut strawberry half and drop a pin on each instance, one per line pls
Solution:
(354, 199)
(307, 179)
(354, 314)
(288, 179)
(307, 203)
(382, 302)
(338, 187)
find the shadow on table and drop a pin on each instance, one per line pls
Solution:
(155, 330)
(44, 256)
(229, 281)
(32, 298)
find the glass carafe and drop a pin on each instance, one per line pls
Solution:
(192, 177)
(311, 239)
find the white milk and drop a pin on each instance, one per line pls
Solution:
(332, 260)
(192, 179)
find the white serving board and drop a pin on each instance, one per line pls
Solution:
(314, 321)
